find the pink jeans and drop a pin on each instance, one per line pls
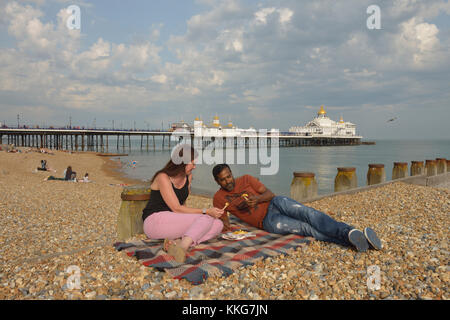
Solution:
(171, 225)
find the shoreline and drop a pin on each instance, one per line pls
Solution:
(112, 167)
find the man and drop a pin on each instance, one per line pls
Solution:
(249, 200)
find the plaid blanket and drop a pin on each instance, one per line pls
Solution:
(216, 256)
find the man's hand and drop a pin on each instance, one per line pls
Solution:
(253, 201)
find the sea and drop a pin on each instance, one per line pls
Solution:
(323, 161)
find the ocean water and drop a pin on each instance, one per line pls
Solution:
(323, 161)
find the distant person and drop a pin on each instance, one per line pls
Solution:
(167, 217)
(43, 165)
(44, 150)
(68, 175)
(85, 178)
(248, 199)
(12, 148)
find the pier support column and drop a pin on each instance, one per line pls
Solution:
(417, 168)
(430, 168)
(345, 179)
(400, 170)
(303, 186)
(441, 164)
(376, 174)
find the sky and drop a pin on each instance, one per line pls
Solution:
(265, 64)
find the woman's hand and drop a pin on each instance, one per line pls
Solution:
(215, 212)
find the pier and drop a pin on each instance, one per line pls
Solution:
(99, 140)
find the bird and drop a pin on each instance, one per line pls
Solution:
(390, 120)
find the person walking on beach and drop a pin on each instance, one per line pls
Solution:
(167, 217)
(248, 199)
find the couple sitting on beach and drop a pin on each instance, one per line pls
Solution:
(167, 217)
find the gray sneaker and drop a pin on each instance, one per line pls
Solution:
(372, 238)
(357, 239)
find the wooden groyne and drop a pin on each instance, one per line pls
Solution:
(303, 189)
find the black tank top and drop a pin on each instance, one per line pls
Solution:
(157, 203)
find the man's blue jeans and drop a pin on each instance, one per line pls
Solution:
(287, 216)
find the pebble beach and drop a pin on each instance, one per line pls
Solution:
(49, 226)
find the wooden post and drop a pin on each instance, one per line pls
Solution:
(303, 186)
(376, 174)
(430, 168)
(134, 200)
(441, 165)
(417, 168)
(345, 179)
(400, 170)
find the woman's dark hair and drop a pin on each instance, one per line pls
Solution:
(218, 169)
(181, 156)
(68, 173)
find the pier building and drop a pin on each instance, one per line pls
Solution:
(323, 126)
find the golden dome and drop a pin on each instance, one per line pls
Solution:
(322, 111)
(197, 119)
(230, 124)
(341, 120)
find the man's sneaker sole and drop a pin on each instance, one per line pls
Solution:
(357, 239)
(372, 238)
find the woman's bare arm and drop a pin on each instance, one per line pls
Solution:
(170, 198)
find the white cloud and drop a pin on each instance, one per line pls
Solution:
(285, 15)
(418, 43)
(160, 78)
(261, 15)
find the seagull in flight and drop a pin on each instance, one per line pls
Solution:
(390, 120)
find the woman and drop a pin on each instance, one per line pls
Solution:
(167, 217)
(67, 175)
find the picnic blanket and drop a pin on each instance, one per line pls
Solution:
(216, 256)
